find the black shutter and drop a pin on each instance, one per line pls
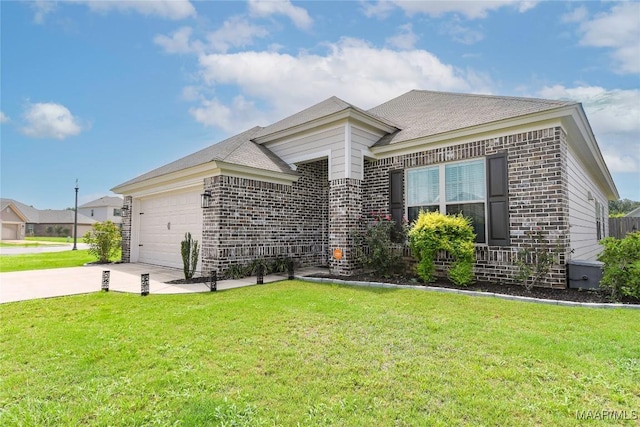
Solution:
(396, 192)
(498, 199)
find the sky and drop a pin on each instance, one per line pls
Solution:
(103, 91)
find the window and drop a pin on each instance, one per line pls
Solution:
(117, 212)
(599, 220)
(450, 188)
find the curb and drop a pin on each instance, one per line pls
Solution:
(470, 293)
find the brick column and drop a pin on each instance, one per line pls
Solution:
(345, 208)
(209, 257)
(126, 229)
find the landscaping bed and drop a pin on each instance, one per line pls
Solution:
(568, 294)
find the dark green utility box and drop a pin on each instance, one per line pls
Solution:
(584, 274)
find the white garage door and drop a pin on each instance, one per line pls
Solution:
(163, 223)
(10, 231)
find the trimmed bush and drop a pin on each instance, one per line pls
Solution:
(433, 232)
(621, 272)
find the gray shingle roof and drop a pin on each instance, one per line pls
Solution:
(421, 113)
(29, 212)
(322, 109)
(239, 150)
(46, 216)
(103, 201)
(50, 216)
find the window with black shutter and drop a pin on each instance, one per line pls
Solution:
(396, 192)
(498, 199)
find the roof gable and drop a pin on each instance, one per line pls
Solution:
(320, 110)
(29, 212)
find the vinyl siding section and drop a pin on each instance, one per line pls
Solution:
(313, 146)
(361, 140)
(582, 212)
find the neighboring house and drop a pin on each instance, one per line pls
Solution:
(20, 220)
(103, 209)
(299, 186)
(634, 213)
(13, 221)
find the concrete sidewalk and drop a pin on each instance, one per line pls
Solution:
(26, 285)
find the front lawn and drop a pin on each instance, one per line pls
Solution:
(300, 353)
(45, 260)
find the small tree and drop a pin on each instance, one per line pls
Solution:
(433, 232)
(535, 261)
(379, 245)
(104, 240)
(189, 251)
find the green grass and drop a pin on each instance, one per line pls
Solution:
(45, 260)
(296, 353)
(53, 239)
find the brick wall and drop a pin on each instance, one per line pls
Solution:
(126, 228)
(251, 219)
(538, 194)
(345, 209)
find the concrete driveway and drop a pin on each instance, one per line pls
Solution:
(25, 285)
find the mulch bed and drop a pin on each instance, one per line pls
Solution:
(569, 294)
(189, 281)
(575, 295)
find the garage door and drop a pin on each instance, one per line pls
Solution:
(163, 223)
(10, 231)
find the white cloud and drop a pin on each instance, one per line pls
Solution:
(469, 9)
(170, 9)
(578, 14)
(613, 115)
(178, 42)
(618, 30)
(298, 15)
(405, 39)
(286, 83)
(41, 9)
(4, 118)
(242, 114)
(50, 120)
(235, 32)
(462, 34)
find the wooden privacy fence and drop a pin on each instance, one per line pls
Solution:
(620, 227)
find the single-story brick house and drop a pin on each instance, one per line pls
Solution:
(20, 220)
(299, 186)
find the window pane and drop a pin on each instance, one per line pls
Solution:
(423, 186)
(414, 211)
(465, 181)
(475, 211)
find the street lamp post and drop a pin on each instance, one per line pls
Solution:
(75, 221)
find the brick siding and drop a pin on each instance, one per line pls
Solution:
(126, 228)
(250, 219)
(538, 195)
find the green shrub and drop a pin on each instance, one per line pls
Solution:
(621, 271)
(379, 245)
(189, 251)
(104, 240)
(433, 232)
